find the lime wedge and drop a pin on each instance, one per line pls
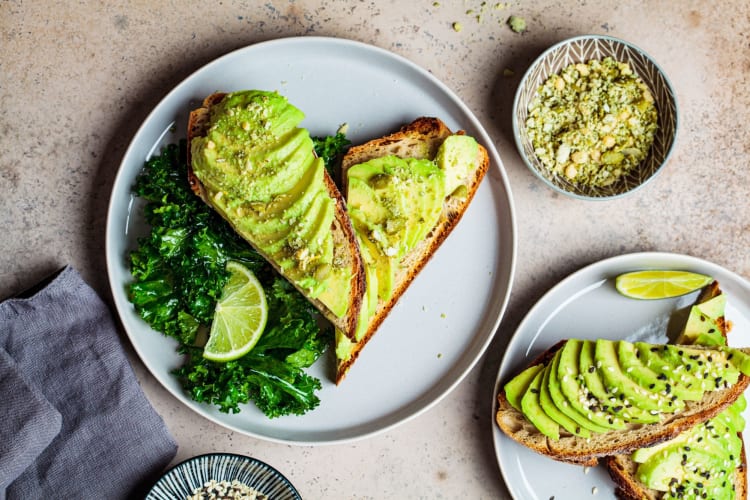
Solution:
(239, 318)
(659, 284)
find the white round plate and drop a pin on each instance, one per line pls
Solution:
(444, 322)
(586, 305)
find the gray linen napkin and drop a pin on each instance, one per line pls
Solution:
(30, 422)
(111, 442)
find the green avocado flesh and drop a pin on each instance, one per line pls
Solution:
(596, 386)
(394, 203)
(700, 462)
(260, 173)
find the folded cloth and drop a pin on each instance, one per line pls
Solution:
(30, 422)
(111, 442)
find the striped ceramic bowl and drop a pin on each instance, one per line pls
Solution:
(582, 49)
(183, 479)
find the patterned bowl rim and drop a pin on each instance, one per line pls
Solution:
(521, 86)
(269, 469)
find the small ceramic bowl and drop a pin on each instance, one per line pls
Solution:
(583, 49)
(182, 479)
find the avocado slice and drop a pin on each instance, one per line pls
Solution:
(564, 404)
(425, 194)
(645, 377)
(605, 352)
(575, 390)
(383, 266)
(684, 379)
(712, 368)
(606, 402)
(457, 156)
(517, 386)
(532, 409)
(567, 423)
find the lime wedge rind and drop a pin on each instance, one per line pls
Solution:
(660, 284)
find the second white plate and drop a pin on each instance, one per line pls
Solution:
(586, 305)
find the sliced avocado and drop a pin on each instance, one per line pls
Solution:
(572, 384)
(269, 111)
(702, 322)
(615, 379)
(361, 196)
(567, 423)
(316, 223)
(402, 199)
(425, 191)
(381, 263)
(738, 358)
(296, 238)
(276, 169)
(563, 404)
(674, 466)
(338, 287)
(711, 367)
(533, 411)
(344, 346)
(457, 156)
(683, 380)
(593, 382)
(647, 378)
(517, 386)
(370, 300)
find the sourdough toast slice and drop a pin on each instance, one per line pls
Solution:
(419, 139)
(346, 251)
(574, 449)
(624, 470)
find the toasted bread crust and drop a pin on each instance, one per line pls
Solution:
(570, 448)
(418, 139)
(346, 246)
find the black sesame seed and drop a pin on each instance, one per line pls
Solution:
(591, 369)
(651, 386)
(662, 377)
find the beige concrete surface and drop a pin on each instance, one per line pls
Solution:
(77, 78)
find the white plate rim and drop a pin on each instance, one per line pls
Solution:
(609, 267)
(499, 179)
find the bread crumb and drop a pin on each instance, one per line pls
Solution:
(457, 27)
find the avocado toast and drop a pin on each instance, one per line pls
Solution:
(249, 160)
(583, 400)
(405, 193)
(705, 461)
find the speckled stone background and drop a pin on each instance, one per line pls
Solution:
(77, 79)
